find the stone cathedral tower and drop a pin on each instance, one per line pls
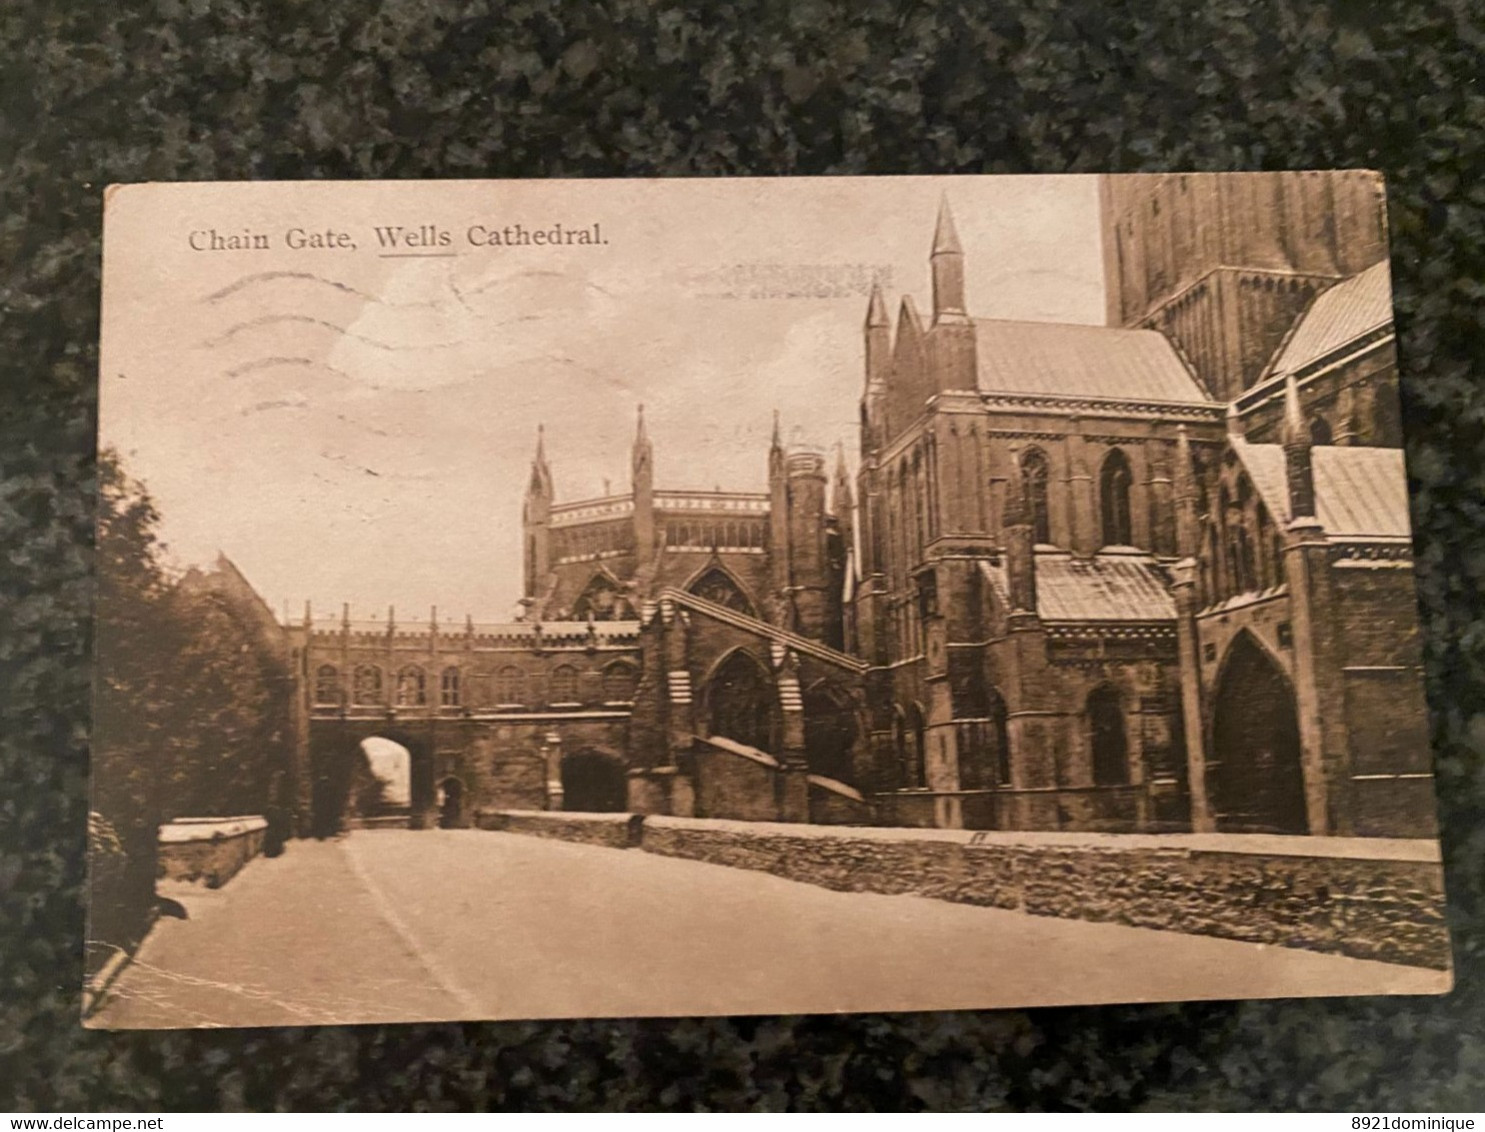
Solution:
(1223, 266)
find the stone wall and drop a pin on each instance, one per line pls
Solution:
(210, 851)
(613, 831)
(1367, 898)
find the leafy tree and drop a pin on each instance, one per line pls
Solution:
(192, 709)
(229, 747)
(135, 645)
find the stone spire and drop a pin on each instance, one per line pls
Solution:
(536, 520)
(876, 307)
(878, 334)
(842, 500)
(541, 473)
(778, 513)
(945, 238)
(642, 458)
(947, 261)
(642, 480)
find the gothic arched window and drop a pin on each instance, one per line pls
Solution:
(412, 688)
(619, 683)
(448, 694)
(510, 686)
(564, 684)
(1034, 476)
(367, 684)
(599, 601)
(1113, 493)
(1110, 746)
(718, 586)
(327, 684)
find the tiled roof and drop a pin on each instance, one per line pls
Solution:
(1110, 586)
(1069, 360)
(1359, 492)
(1348, 310)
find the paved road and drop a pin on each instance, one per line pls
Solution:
(394, 925)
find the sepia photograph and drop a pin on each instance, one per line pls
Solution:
(625, 598)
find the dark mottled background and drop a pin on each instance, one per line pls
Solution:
(199, 89)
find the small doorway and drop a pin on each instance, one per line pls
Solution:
(594, 783)
(1258, 779)
(451, 804)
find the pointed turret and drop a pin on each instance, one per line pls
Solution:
(945, 238)
(951, 345)
(644, 451)
(778, 512)
(1234, 421)
(776, 450)
(948, 267)
(541, 473)
(842, 500)
(642, 467)
(876, 307)
(1299, 468)
(536, 518)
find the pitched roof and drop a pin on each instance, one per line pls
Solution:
(1071, 360)
(1345, 312)
(1359, 492)
(1110, 586)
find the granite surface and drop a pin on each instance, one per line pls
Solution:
(199, 89)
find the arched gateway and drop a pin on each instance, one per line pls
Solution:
(342, 776)
(1257, 774)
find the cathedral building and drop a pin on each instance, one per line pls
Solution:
(1154, 575)
(777, 555)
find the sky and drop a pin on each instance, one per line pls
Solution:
(356, 423)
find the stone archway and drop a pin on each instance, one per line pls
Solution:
(1256, 768)
(342, 777)
(594, 782)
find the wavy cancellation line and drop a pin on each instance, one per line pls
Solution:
(309, 320)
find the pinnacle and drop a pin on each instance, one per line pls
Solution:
(876, 309)
(945, 238)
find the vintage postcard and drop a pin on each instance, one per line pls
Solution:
(622, 598)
